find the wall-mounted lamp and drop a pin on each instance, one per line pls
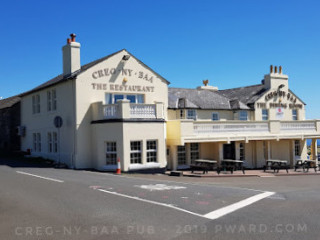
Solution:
(125, 57)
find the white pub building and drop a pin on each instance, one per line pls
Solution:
(117, 107)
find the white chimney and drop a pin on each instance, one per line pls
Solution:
(275, 79)
(71, 56)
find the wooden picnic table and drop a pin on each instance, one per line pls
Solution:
(276, 164)
(305, 164)
(204, 165)
(232, 165)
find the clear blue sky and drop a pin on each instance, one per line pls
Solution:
(231, 43)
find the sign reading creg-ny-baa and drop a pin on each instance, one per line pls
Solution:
(124, 71)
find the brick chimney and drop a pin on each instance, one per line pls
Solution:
(71, 56)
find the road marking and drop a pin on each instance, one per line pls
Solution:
(159, 187)
(51, 179)
(152, 202)
(212, 215)
(236, 206)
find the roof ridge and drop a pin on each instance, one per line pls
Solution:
(242, 87)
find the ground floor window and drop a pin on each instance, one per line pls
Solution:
(194, 152)
(37, 142)
(241, 148)
(297, 148)
(152, 151)
(52, 140)
(181, 155)
(111, 153)
(135, 152)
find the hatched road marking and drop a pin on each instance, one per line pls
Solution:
(211, 215)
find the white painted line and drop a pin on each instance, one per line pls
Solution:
(152, 202)
(236, 206)
(51, 179)
(212, 215)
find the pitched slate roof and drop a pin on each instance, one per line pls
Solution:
(9, 102)
(247, 95)
(61, 78)
(201, 99)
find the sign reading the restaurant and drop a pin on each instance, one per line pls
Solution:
(123, 71)
(122, 87)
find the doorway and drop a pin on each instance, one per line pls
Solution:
(229, 151)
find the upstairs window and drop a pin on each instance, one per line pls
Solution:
(182, 114)
(191, 114)
(112, 98)
(215, 117)
(243, 115)
(265, 115)
(36, 104)
(294, 114)
(51, 100)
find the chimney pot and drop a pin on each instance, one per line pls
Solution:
(68, 40)
(271, 69)
(73, 37)
(280, 70)
(275, 69)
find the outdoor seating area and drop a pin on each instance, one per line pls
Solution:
(226, 165)
(231, 167)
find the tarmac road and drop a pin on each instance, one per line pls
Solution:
(46, 203)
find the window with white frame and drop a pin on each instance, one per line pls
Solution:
(297, 148)
(36, 142)
(181, 152)
(52, 139)
(265, 114)
(243, 115)
(215, 116)
(111, 153)
(112, 98)
(49, 140)
(36, 104)
(55, 141)
(51, 100)
(151, 151)
(242, 153)
(294, 114)
(191, 114)
(194, 152)
(135, 152)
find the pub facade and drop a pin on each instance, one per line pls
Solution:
(118, 108)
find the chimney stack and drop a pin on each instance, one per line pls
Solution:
(275, 79)
(71, 56)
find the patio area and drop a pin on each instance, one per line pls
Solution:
(248, 173)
